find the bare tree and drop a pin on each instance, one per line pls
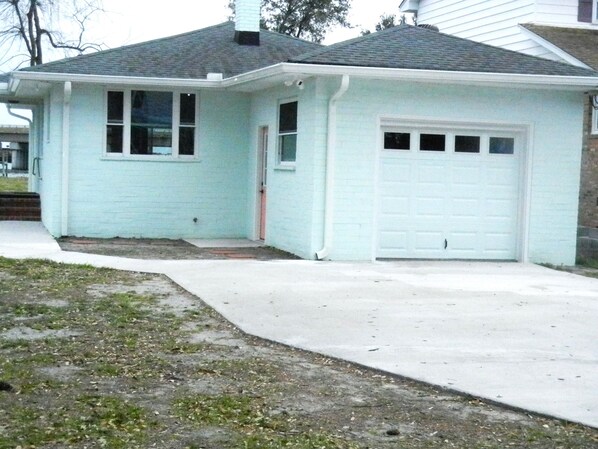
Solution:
(305, 19)
(29, 27)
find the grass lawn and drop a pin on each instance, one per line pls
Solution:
(13, 184)
(97, 358)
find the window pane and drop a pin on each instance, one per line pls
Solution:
(288, 148)
(397, 141)
(288, 117)
(502, 145)
(151, 140)
(187, 109)
(467, 144)
(432, 142)
(114, 139)
(151, 108)
(115, 107)
(186, 141)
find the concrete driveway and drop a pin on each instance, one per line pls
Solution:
(517, 334)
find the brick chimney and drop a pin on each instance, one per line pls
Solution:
(247, 22)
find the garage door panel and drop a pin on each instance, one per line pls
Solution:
(498, 208)
(395, 206)
(468, 177)
(468, 202)
(396, 243)
(430, 174)
(464, 207)
(426, 207)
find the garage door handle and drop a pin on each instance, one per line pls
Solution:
(445, 243)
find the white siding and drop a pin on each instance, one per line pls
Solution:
(474, 19)
(496, 22)
(557, 12)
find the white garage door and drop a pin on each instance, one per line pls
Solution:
(449, 194)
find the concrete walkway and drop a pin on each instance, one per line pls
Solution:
(518, 334)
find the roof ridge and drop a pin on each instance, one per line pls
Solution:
(341, 44)
(124, 47)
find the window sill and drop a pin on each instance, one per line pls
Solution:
(140, 158)
(285, 167)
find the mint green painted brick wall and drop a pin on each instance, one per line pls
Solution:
(160, 199)
(291, 193)
(556, 118)
(129, 198)
(49, 186)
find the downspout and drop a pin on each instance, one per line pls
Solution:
(330, 160)
(32, 142)
(14, 114)
(66, 119)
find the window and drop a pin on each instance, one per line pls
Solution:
(587, 11)
(467, 144)
(397, 141)
(502, 145)
(287, 132)
(114, 128)
(432, 142)
(151, 123)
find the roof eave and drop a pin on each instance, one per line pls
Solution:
(271, 75)
(116, 80)
(575, 83)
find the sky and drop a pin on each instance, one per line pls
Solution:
(130, 21)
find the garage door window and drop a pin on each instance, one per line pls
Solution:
(502, 145)
(397, 141)
(432, 142)
(467, 144)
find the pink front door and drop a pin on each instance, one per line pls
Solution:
(263, 174)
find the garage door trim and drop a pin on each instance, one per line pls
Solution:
(523, 131)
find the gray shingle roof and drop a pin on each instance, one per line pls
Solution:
(187, 56)
(195, 54)
(581, 43)
(409, 47)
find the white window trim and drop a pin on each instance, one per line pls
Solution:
(126, 153)
(285, 165)
(594, 11)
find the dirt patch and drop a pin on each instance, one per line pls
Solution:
(26, 333)
(165, 249)
(149, 365)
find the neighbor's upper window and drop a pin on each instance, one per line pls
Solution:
(287, 132)
(151, 123)
(587, 11)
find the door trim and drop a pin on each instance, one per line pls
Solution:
(261, 182)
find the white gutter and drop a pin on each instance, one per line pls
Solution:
(31, 140)
(431, 76)
(120, 80)
(330, 160)
(66, 119)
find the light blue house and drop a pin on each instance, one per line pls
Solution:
(406, 143)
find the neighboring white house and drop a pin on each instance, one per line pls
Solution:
(563, 30)
(407, 143)
(498, 22)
